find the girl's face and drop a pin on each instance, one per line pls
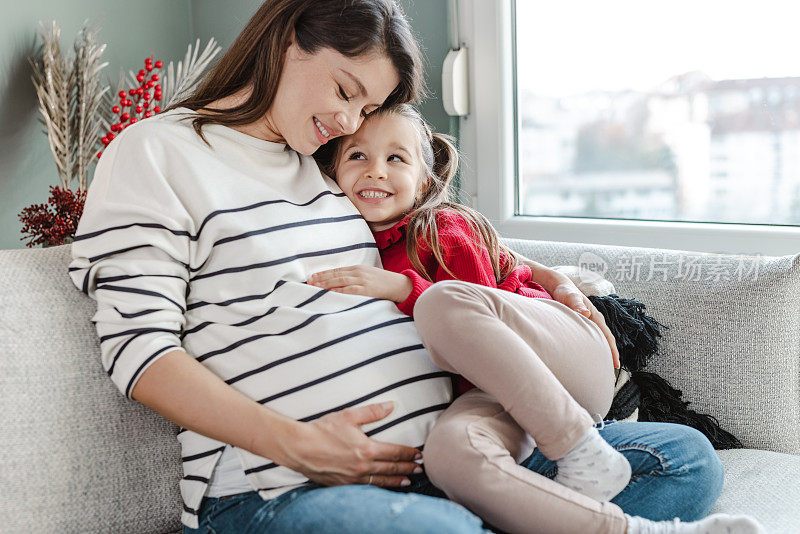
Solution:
(380, 170)
(326, 94)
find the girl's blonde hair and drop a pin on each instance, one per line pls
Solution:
(440, 160)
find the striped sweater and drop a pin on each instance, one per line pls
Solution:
(207, 249)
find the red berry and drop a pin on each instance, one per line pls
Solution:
(154, 77)
(110, 136)
(141, 71)
(146, 104)
(122, 94)
(158, 97)
(122, 102)
(119, 126)
(158, 87)
(157, 109)
(129, 102)
(150, 84)
(146, 96)
(99, 154)
(149, 67)
(148, 114)
(140, 78)
(115, 109)
(139, 109)
(124, 117)
(159, 64)
(133, 120)
(105, 140)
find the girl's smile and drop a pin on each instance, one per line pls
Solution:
(373, 195)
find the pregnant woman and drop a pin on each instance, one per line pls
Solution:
(301, 409)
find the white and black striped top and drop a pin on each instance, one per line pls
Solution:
(207, 248)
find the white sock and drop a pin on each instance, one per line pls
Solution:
(594, 468)
(713, 524)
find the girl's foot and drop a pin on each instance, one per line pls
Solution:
(594, 468)
(713, 524)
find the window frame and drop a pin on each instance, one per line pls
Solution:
(489, 161)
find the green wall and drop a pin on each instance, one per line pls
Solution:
(133, 31)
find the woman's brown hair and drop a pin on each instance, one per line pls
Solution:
(440, 159)
(351, 27)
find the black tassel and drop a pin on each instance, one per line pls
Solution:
(662, 402)
(625, 401)
(636, 332)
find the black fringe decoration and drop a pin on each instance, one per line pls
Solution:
(625, 401)
(636, 332)
(661, 402)
(637, 341)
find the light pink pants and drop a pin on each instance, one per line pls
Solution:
(540, 367)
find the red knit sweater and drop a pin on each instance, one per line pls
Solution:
(464, 254)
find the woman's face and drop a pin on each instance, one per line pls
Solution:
(380, 170)
(326, 94)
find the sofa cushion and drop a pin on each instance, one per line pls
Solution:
(763, 484)
(77, 456)
(733, 343)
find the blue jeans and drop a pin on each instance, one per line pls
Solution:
(676, 473)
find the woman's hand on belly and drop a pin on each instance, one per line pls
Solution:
(333, 450)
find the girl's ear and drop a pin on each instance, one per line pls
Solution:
(423, 187)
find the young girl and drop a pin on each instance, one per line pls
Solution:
(397, 173)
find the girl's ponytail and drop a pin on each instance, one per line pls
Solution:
(445, 156)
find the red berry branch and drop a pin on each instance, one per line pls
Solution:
(53, 224)
(60, 102)
(134, 105)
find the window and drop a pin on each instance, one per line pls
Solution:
(635, 123)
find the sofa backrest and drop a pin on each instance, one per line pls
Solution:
(77, 456)
(733, 343)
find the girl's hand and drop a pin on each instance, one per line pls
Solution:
(569, 295)
(333, 450)
(364, 280)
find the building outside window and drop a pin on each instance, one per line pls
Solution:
(670, 111)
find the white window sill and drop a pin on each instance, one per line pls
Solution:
(699, 237)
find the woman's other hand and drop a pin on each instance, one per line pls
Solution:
(364, 280)
(568, 294)
(333, 450)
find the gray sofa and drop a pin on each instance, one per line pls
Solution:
(78, 457)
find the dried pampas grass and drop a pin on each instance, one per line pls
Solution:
(69, 97)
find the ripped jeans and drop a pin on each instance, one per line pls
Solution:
(676, 473)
